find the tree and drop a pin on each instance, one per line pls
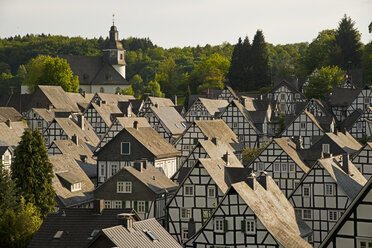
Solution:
(321, 82)
(168, 76)
(153, 88)
(127, 91)
(33, 173)
(45, 70)
(137, 84)
(251, 153)
(259, 57)
(367, 63)
(349, 44)
(18, 226)
(8, 192)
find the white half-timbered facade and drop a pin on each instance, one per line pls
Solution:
(341, 100)
(281, 161)
(197, 196)
(154, 101)
(353, 230)
(363, 160)
(227, 94)
(39, 118)
(325, 193)
(253, 213)
(240, 122)
(306, 126)
(362, 101)
(205, 109)
(359, 123)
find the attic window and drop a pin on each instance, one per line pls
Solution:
(58, 235)
(93, 234)
(75, 187)
(183, 124)
(151, 236)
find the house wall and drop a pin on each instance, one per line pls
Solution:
(197, 112)
(363, 161)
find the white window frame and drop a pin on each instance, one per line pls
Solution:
(186, 213)
(260, 166)
(303, 125)
(326, 148)
(188, 190)
(329, 189)
(124, 187)
(291, 167)
(333, 215)
(211, 189)
(307, 217)
(250, 226)
(304, 188)
(219, 225)
(296, 182)
(117, 204)
(114, 169)
(107, 204)
(102, 170)
(276, 166)
(141, 207)
(284, 167)
(121, 148)
(185, 233)
(235, 125)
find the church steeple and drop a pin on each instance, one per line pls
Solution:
(113, 52)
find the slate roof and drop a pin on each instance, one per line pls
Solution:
(136, 236)
(161, 102)
(343, 97)
(80, 100)
(351, 183)
(9, 113)
(345, 141)
(136, 105)
(214, 106)
(170, 118)
(65, 167)
(12, 136)
(18, 101)
(129, 121)
(217, 129)
(153, 141)
(77, 225)
(115, 78)
(274, 211)
(58, 97)
(351, 119)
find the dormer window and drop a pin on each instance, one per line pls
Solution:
(75, 187)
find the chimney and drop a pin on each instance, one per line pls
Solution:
(225, 158)
(98, 206)
(50, 107)
(298, 142)
(83, 93)
(75, 139)
(84, 158)
(214, 140)
(138, 166)
(250, 180)
(262, 179)
(175, 100)
(81, 122)
(9, 123)
(156, 105)
(126, 220)
(345, 163)
(135, 125)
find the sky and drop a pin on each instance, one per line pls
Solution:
(179, 23)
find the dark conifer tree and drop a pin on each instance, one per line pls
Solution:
(349, 44)
(235, 70)
(8, 192)
(246, 61)
(33, 172)
(259, 57)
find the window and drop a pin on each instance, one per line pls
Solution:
(303, 125)
(219, 225)
(329, 189)
(185, 233)
(211, 192)
(250, 226)
(124, 187)
(282, 96)
(332, 215)
(359, 126)
(306, 191)
(141, 207)
(298, 212)
(39, 124)
(102, 90)
(296, 183)
(125, 148)
(117, 204)
(235, 125)
(306, 214)
(367, 100)
(121, 56)
(325, 148)
(284, 167)
(188, 190)
(297, 95)
(6, 159)
(185, 213)
(276, 167)
(75, 187)
(107, 204)
(102, 170)
(260, 166)
(292, 167)
(114, 168)
(365, 243)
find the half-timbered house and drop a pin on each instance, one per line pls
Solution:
(324, 194)
(205, 109)
(6, 155)
(155, 101)
(362, 101)
(11, 132)
(166, 121)
(359, 123)
(227, 94)
(341, 99)
(363, 160)
(199, 193)
(104, 108)
(253, 213)
(353, 230)
(9, 113)
(201, 130)
(281, 161)
(141, 187)
(81, 99)
(132, 144)
(241, 123)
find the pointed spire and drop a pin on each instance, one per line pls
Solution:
(113, 19)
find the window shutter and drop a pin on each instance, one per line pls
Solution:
(225, 225)
(123, 204)
(146, 206)
(243, 226)
(135, 205)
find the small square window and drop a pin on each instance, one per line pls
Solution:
(185, 213)
(325, 148)
(125, 148)
(188, 190)
(306, 191)
(276, 167)
(332, 215)
(235, 125)
(306, 214)
(107, 204)
(250, 227)
(329, 189)
(284, 167)
(219, 225)
(141, 207)
(292, 167)
(303, 125)
(211, 192)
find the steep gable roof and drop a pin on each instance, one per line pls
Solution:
(9, 113)
(214, 106)
(344, 140)
(161, 102)
(343, 96)
(12, 135)
(217, 129)
(172, 120)
(58, 97)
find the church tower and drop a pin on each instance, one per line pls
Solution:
(113, 52)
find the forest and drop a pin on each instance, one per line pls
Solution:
(247, 66)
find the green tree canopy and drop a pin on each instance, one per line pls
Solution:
(259, 57)
(321, 82)
(127, 91)
(8, 192)
(33, 173)
(367, 63)
(168, 76)
(45, 70)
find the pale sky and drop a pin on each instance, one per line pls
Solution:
(171, 23)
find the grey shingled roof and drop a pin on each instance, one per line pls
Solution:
(58, 97)
(347, 142)
(66, 167)
(12, 136)
(80, 100)
(351, 119)
(214, 106)
(9, 113)
(137, 237)
(161, 102)
(170, 118)
(217, 128)
(343, 96)
(77, 225)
